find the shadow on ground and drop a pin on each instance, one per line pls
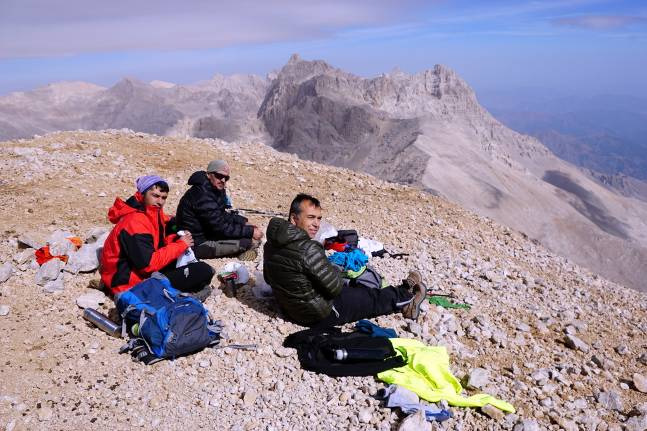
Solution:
(587, 204)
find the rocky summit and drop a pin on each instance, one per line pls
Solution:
(563, 345)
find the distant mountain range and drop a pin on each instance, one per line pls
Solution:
(222, 107)
(606, 133)
(427, 130)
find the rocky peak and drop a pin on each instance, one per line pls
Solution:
(438, 91)
(297, 70)
(127, 87)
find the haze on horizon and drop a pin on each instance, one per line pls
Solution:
(570, 47)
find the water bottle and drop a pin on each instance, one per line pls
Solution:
(340, 354)
(188, 256)
(102, 322)
(357, 354)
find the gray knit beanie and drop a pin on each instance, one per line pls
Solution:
(216, 165)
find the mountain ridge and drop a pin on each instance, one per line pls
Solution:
(427, 130)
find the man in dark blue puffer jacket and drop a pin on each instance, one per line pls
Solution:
(202, 211)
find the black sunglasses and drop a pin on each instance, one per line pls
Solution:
(220, 176)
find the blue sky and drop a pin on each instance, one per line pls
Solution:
(567, 47)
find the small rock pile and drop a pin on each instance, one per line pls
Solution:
(564, 346)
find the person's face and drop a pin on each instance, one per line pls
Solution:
(309, 219)
(155, 197)
(219, 179)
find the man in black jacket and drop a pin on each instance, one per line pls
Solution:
(311, 290)
(202, 211)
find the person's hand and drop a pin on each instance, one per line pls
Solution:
(187, 238)
(258, 234)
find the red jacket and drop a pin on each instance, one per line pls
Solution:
(138, 244)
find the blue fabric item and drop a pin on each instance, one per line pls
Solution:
(395, 396)
(369, 327)
(228, 203)
(352, 260)
(431, 413)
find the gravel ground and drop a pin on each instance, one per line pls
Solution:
(567, 348)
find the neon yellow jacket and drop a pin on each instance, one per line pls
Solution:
(427, 374)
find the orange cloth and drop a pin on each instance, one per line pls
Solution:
(76, 241)
(43, 254)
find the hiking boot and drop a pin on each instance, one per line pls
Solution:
(248, 255)
(412, 309)
(412, 279)
(202, 294)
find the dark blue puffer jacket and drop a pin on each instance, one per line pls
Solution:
(201, 211)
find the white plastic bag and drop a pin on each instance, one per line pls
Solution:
(240, 270)
(188, 256)
(326, 230)
(368, 246)
(261, 289)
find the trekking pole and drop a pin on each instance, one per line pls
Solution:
(430, 292)
(259, 212)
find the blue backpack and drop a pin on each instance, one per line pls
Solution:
(165, 323)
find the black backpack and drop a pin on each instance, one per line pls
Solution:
(348, 236)
(319, 350)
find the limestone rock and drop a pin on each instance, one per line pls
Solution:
(249, 398)
(26, 240)
(86, 259)
(493, 412)
(636, 423)
(54, 286)
(610, 400)
(575, 343)
(6, 270)
(284, 352)
(61, 248)
(527, 425)
(24, 256)
(478, 378)
(365, 415)
(415, 422)
(45, 414)
(49, 271)
(97, 234)
(639, 410)
(91, 299)
(602, 362)
(622, 349)
(640, 382)
(643, 358)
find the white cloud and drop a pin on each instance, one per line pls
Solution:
(34, 28)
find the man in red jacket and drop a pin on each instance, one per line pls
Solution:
(138, 245)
